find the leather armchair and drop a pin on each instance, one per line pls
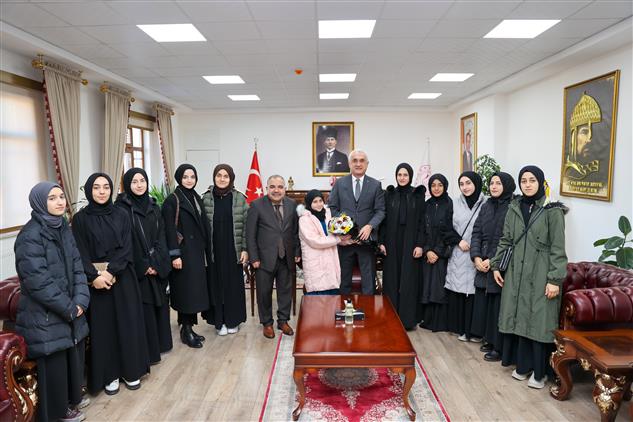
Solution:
(18, 386)
(596, 297)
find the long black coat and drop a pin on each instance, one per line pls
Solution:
(190, 287)
(440, 237)
(52, 283)
(487, 231)
(401, 272)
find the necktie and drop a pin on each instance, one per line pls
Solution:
(357, 190)
(329, 156)
(281, 250)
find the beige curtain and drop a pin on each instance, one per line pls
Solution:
(163, 117)
(62, 90)
(117, 108)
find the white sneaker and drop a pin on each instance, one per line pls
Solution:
(132, 385)
(233, 330)
(85, 402)
(462, 338)
(112, 388)
(534, 383)
(520, 377)
(223, 331)
(475, 339)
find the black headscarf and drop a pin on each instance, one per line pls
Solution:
(93, 208)
(507, 181)
(315, 193)
(191, 194)
(38, 198)
(140, 202)
(409, 170)
(221, 192)
(528, 201)
(440, 177)
(403, 190)
(472, 199)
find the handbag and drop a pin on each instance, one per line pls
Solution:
(506, 255)
(103, 266)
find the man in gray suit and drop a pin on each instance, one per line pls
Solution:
(362, 198)
(272, 239)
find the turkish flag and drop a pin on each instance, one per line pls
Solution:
(254, 185)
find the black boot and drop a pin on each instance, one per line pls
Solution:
(492, 356)
(486, 347)
(197, 336)
(188, 338)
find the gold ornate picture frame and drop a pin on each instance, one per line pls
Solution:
(589, 124)
(468, 142)
(332, 143)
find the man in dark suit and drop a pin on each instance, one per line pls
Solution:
(362, 198)
(331, 160)
(272, 239)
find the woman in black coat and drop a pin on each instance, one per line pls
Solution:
(151, 259)
(486, 234)
(54, 296)
(186, 231)
(118, 348)
(401, 239)
(440, 238)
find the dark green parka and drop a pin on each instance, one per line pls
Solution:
(539, 258)
(240, 210)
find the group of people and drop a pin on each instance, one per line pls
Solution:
(116, 271)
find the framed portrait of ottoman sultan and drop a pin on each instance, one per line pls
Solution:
(589, 122)
(332, 143)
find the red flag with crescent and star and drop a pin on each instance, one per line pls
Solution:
(254, 188)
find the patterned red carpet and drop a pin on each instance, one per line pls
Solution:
(346, 394)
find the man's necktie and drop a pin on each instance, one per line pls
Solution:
(329, 156)
(357, 190)
(281, 250)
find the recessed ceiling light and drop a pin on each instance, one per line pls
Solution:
(249, 97)
(224, 79)
(346, 29)
(450, 77)
(521, 28)
(424, 95)
(337, 77)
(173, 32)
(334, 96)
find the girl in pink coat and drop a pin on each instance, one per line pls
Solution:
(321, 268)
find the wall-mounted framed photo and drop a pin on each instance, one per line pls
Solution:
(468, 142)
(589, 122)
(332, 143)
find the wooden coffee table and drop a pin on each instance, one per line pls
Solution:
(608, 353)
(378, 342)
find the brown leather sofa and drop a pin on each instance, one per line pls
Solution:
(18, 387)
(596, 297)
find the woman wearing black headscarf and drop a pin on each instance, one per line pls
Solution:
(530, 294)
(460, 275)
(401, 239)
(226, 210)
(487, 231)
(54, 297)
(439, 240)
(151, 259)
(118, 348)
(186, 228)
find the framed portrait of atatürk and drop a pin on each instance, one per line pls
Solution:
(332, 143)
(468, 142)
(589, 122)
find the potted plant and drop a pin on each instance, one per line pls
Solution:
(615, 246)
(486, 166)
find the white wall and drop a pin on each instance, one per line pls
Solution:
(285, 141)
(528, 129)
(91, 131)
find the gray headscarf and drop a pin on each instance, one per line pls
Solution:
(38, 198)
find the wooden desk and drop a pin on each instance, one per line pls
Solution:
(378, 342)
(608, 353)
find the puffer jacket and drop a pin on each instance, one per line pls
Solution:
(460, 274)
(321, 268)
(52, 283)
(240, 212)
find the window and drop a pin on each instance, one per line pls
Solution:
(135, 143)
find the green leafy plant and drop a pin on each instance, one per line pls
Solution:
(486, 166)
(159, 193)
(615, 246)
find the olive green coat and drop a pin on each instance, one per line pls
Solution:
(240, 210)
(539, 258)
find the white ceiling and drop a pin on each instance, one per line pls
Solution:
(264, 41)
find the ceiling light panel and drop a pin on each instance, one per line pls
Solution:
(346, 29)
(224, 79)
(184, 32)
(337, 77)
(450, 77)
(424, 95)
(334, 96)
(249, 97)
(521, 28)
